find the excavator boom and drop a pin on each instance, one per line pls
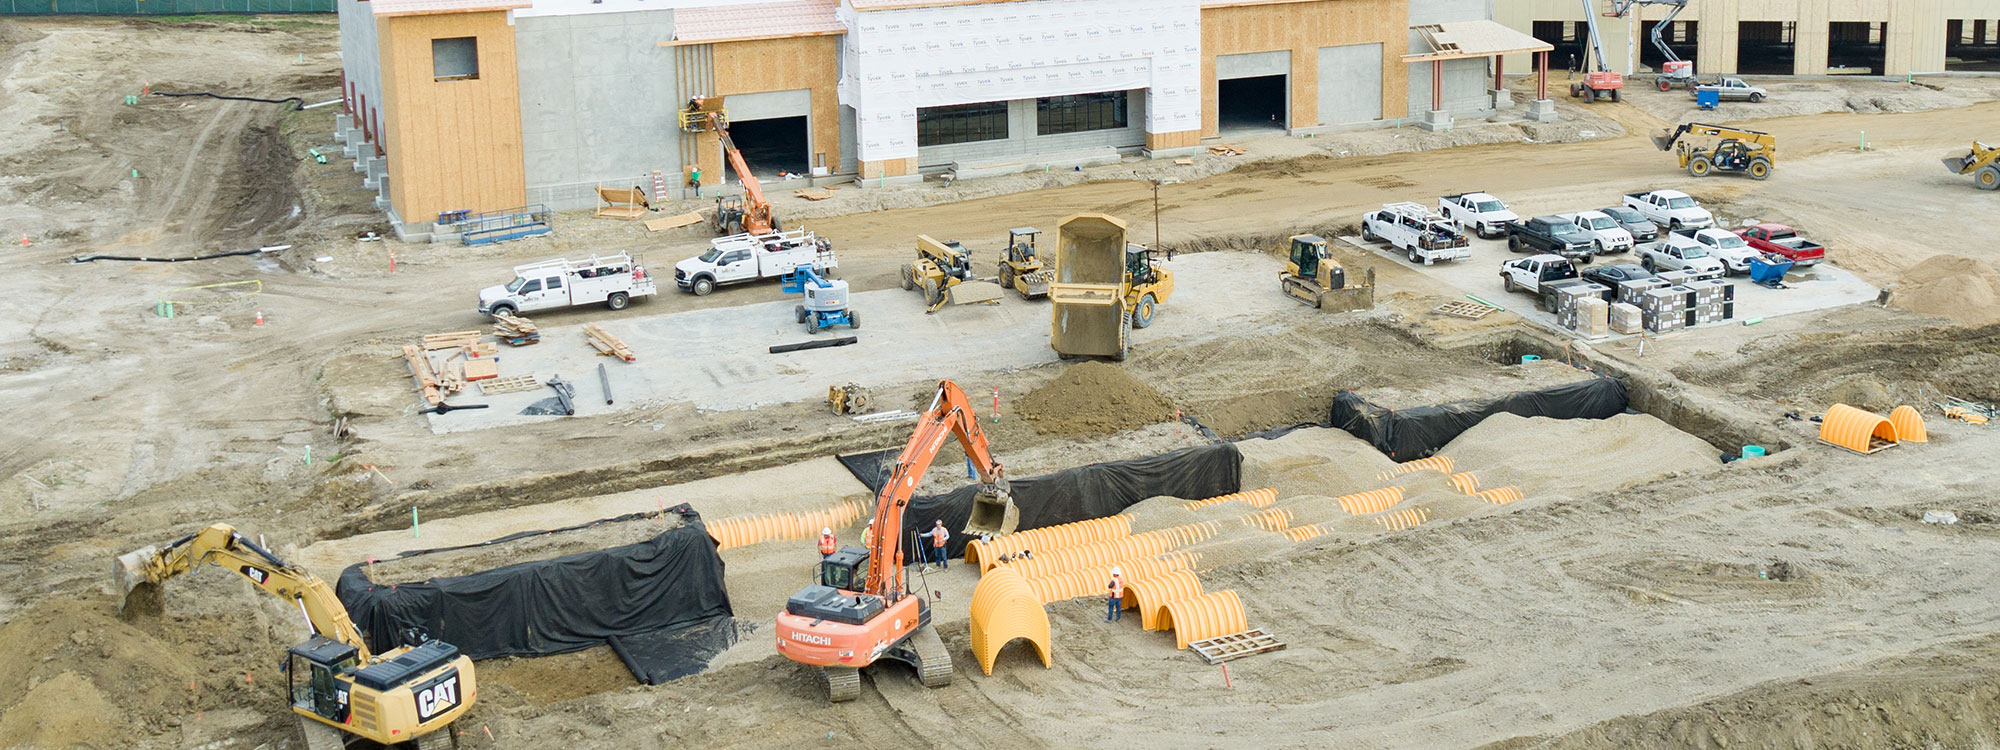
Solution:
(950, 415)
(221, 545)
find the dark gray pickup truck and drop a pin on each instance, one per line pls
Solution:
(1549, 234)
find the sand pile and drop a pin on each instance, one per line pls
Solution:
(77, 676)
(1543, 454)
(525, 549)
(1094, 398)
(1951, 286)
(1312, 461)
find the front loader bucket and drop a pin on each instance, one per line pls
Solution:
(974, 292)
(993, 513)
(1958, 163)
(1663, 139)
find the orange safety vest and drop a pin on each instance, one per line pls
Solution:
(938, 536)
(1117, 587)
(826, 544)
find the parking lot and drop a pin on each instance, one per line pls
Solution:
(1818, 287)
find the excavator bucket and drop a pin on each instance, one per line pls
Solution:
(993, 513)
(133, 569)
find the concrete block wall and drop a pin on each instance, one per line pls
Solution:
(1021, 138)
(360, 59)
(596, 106)
(1465, 81)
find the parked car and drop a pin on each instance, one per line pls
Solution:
(1613, 274)
(1642, 228)
(1677, 253)
(1781, 240)
(1672, 209)
(1477, 212)
(1721, 244)
(1731, 87)
(1549, 234)
(1606, 237)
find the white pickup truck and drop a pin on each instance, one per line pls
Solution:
(1423, 236)
(748, 257)
(1480, 213)
(1606, 236)
(1678, 252)
(1721, 244)
(612, 280)
(1672, 209)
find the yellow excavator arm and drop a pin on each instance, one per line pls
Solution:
(221, 545)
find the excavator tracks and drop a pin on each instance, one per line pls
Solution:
(320, 736)
(933, 660)
(843, 684)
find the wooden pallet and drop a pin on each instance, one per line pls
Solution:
(1236, 645)
(1463, 309)
(605, 343)
(1875, 445)
(460, 339)
(508, 384)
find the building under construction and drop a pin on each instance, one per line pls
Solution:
(486, 105)
(1771, 37)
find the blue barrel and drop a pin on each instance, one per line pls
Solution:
(1753, 451)
(1526, 358)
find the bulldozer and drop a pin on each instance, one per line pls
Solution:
(944, 271)
(1982, 162)
(338, 688)
(1104, 288)
(1310, 273)
(1021, 268)
(1751, 152)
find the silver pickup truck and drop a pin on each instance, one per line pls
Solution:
(1729, 87)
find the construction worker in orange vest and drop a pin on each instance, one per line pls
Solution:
(938, 536)
(1117, 590)
(827, 544)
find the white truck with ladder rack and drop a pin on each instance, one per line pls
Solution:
(613, 280)
(739, 258)
(1422, 235)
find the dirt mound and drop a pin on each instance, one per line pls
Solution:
(64, 658)
(64, 711)
(1540, 454)
(1864, 393)
(1094, 398)
(13, 34)
(1951, 286)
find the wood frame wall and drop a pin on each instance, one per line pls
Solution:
(1303, 28)
(454, 144)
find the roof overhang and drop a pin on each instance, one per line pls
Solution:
(743, 23)
(1459, 40)
(393, 8)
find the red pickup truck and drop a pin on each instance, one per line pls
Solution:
(1782, 240)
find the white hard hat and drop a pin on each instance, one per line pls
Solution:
(826, 532)
(1116, 572)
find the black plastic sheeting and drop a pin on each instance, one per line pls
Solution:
(1078, 494)
(662, 656)
(1410, 434)
(671, 581)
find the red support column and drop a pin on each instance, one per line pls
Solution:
(1437, 85)
(1499, 63)
(1541, 75)
(367, 131)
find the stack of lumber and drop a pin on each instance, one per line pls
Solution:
(1224, 149)
(516, 331)
(444, 362)
(427, 380)
(605, 343)
(453, 340)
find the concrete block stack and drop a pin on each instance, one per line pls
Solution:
(1634, 292)
(1665, 309)
(1593, 317)
(1569, 301)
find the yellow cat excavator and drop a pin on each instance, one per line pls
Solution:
(337, 686)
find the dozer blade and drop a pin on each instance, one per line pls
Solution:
(1958, 162)
(973, 292)
(993, 513)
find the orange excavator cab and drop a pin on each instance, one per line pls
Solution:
(862, 609)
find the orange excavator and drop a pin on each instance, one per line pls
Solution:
(750, 213)
(862, 610)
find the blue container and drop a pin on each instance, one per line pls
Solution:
(1707, 98)
(1753, 451)
(1526, 358)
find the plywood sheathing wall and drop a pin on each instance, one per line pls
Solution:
(761, 65)
(1303, 28)
(452, 144)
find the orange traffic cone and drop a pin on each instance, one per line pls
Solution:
(260, 317)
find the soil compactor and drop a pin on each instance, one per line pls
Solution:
(863, 609)
(1021, 267)
(1104, 288)
(338, 688)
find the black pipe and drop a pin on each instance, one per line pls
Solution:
(297, 103)
(818, 344)
(564, 391)
(604, 379)
(145, 259)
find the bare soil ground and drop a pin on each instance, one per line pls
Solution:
(1794, 600)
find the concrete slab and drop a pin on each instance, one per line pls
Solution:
(718, 358)
(1821, 287)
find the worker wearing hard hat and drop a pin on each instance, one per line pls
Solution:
(938, 536)
(827, 544)
(1117, 591)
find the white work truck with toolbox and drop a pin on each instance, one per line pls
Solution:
(613, 280)
(739, 258)
(1423, 236)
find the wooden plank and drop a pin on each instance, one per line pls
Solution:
(1236, 645)
(509, 384)
(605, 343)
(420, 368)
(677, 220)
(812, 194)
(1184, 162)
(485, 368)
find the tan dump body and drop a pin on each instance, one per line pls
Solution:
(1088, 316)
